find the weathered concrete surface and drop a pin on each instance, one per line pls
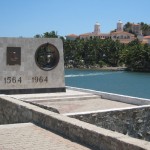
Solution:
(28, 136)
(72, 101)
(15, 111)
(84, 105)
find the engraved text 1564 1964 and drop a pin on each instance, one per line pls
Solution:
(15, 80)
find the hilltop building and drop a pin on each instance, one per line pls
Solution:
(95, 33)
(97, 28)
(117, 34)
(119, 26)
(72, 36)
(136, 29)
(146, 39)
(122, 36)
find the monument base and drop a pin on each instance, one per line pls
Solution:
(32, 91)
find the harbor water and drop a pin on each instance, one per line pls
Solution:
(119, 82)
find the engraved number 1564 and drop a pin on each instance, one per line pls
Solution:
(9, 80)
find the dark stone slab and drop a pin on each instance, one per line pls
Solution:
(30, 91)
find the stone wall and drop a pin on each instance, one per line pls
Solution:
(134, 122)
(15, 111)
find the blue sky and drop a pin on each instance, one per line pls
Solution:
(30, 17)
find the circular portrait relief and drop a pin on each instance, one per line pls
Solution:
(47, 57)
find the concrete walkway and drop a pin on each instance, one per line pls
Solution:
(72, 101)
(28, 136)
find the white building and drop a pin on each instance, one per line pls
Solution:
(72, 36)
(118, 34)
(95, 33)
(146, 39)
(119, 26)
(123, 37)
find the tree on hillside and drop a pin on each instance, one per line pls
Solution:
(145, 28)
(137, 56)
(112, 50)
(128, 27)
(94, 52)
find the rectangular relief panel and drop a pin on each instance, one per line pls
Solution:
(13, 55)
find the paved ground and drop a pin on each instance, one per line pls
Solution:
(85, 105)
(72, 101)
(68, 93)
(28, 136)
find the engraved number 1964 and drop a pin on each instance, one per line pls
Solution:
(40, 79)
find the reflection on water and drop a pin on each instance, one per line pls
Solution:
(89, 74)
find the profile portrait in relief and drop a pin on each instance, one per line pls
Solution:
(47, 56)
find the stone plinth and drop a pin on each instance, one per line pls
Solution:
(26, 66)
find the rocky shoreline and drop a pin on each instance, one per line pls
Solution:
(105, 68)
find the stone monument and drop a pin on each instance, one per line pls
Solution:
(31, 65)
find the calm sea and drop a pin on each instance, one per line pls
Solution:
(120, 82)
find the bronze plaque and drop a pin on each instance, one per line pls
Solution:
(13, 55)
(47, 57)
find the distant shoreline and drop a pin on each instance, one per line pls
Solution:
(108, 69)
(98, 68)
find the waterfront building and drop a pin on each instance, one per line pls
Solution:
(117, 34)
(71, 36)
(146, 39)
(95, 33)
(136, 29)
(121, 35)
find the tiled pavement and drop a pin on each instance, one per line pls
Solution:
(28, 136)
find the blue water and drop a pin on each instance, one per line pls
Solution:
(120, 82)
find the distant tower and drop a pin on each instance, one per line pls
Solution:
(136, 28)
(119, 26)
(97, 28)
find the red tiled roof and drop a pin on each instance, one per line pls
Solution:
(85, 34)
(72, 35)
(135, 24)
(122, 32)
(93, 34)
(147, 37)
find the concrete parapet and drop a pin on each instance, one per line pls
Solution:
(15, 111)
(115, 97)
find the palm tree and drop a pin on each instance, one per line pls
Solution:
(51, 34)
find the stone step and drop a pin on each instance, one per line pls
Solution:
(71, 98)
(54, 96)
